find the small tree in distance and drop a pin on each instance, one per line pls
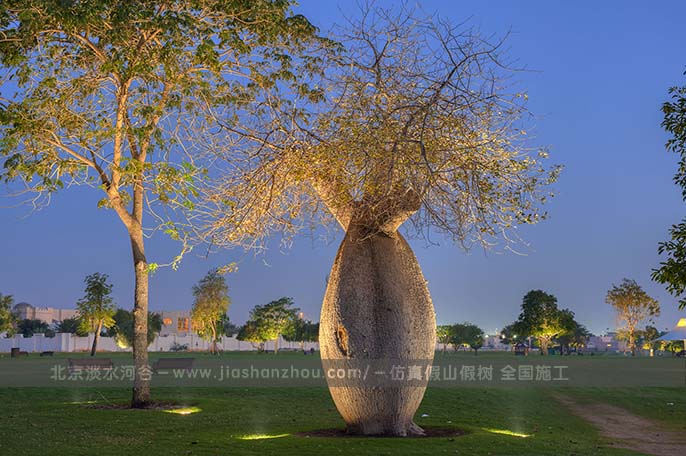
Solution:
(301, 331)
(270, 321)
(96, 309)
(210, 306)
(123, 331)
(444, 335)
(250, 332)
(541, 319)
(467, 334)
(8, 320)
(633, 307)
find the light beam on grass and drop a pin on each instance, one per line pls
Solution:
(184, 411)
(261, 436)
(507, 432)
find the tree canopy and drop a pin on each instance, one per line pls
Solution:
(210, 305)
(542, 319)
(96, 309)
(672, 271)
(269, 321)
(122, 330)
(418, 121)
(633, 306)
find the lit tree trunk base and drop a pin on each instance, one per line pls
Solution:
(377, 307)
(141, 383)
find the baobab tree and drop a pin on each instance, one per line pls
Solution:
(419, 125)
(113, 94)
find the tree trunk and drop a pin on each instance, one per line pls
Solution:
(544, 347)
(276, 346)
(141, 384)
(96, 337)
(377, 307)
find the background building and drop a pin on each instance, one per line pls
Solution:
(50, 315)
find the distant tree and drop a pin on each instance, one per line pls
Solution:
(510, 334)
(672, 271)
(271, 320)
(299, 330)
(473, 336)
(211, 303)
(122, 330)
(648, 336)
(467, 334)
(228, 327)
(444, 335)
(251, 332)
(541, 318)
(96, 309)
(574, 334)
(633, 306)
(8, 320)
(71, 326)
(29, 327)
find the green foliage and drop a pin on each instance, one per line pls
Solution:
(633, 306)
(511, 333)
(542, 319)
(72, 326)
(96, 309)
(672, 271)
(444, 334)
(210, 306)
(467, 334)
(29, 327)
(117, 95)
(8, 319)
(648, 336)
(299, 330)
(269, 321)
(122, 330)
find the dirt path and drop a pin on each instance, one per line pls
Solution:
(627, 430)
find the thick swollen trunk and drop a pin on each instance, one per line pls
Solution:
(96, 338)
(141, 384)
(377, 309)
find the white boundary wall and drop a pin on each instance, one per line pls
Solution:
(64, 342)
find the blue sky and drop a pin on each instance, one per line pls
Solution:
(599, 73)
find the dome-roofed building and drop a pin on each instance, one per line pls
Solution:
(50, 315)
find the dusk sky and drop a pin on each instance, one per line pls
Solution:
(599, 74)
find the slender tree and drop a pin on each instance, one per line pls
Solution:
(210, 306)
(633, 307)
(419, 125)
(8, 321)
(672, 271)
(96, 309)
(115, 94)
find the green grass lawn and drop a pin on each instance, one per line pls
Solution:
(245, 420)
